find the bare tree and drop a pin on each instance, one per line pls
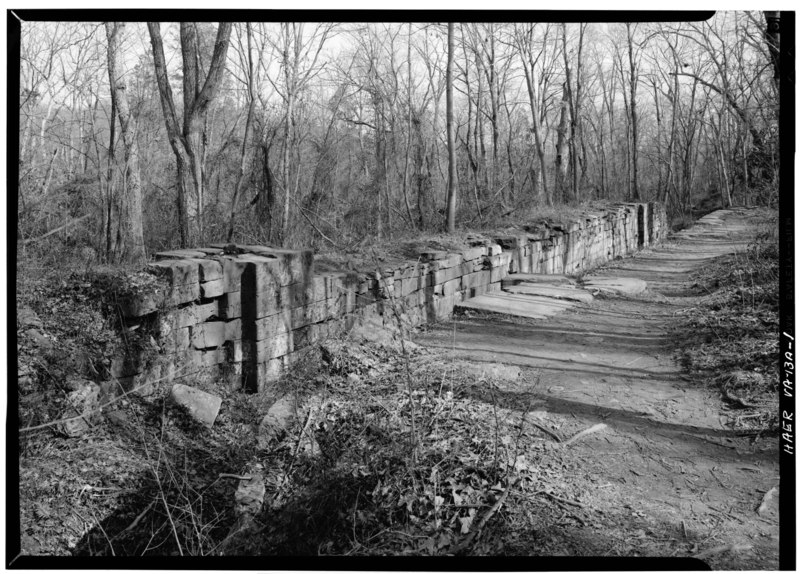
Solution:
(451, 140)
(187, 141)
(129, 244)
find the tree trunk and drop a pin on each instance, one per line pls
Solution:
(187, 140)
(634, 119)
(562, 151)
(542, 172)
(129, 247)
(451, 144)
(247, 126)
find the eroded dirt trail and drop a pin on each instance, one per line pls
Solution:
(667, 476)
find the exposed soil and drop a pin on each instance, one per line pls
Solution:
(668, 475)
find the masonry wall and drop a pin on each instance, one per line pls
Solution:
(247, 317)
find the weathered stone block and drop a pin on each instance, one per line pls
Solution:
(181, 294)
(209, 269)
(178, 272)
(180, 254)
(203, 407)
(285, 266)
(477, 278)
(186, 316)
(211, 289)
(450, 287)
(175, 340)
(233, 329)
(473, 253)
(232, 270)
(234, 351)
(427, 256)
(196, 359)
(265, 349)
(270, 326)
(230, 305)
(208, 335)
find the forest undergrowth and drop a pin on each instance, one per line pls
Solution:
(730, 336)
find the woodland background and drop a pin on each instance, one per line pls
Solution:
(137, 137)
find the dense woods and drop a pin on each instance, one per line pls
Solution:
(135, 137)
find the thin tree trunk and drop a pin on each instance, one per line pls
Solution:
(562, 151)
(451, 144)
(407, 164)
(634, 119)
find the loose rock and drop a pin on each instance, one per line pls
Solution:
(249, 496)
(202, 406)
(276, 421)
(81, 401)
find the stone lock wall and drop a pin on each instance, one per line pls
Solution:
(247, 317)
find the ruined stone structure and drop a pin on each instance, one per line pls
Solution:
(247, 314)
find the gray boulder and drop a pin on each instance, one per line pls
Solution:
(201, 406)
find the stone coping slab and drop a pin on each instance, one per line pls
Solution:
(531, 306)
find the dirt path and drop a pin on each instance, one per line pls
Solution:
(667, 476)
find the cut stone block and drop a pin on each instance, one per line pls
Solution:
(616, 285)
(509, 242)
(433, 255)
(517, 305)
(186, 316)
(234, 351)
(209, 269)
(230, 305)
(266, 349)
(81, 401)
(180, 254)
(473, 253)
(203, 359)
(277, 420)
(288, 266)
(450, 287)
(210, 250)
(497, 274)
(176, 340)
(233, 330)
(179, 271)
(211, 289)
(202, 406)
(232, 270)
(537, 278)
(208, 335)
(475, 279)
(265, 327)
(570, 293)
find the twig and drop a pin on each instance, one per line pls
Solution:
(722, 512)
(138, 519)
(548, 431)
(491, 512)
(583, 433)
(103, 530)
(559, 499)
(236, 476)
(56, 230)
